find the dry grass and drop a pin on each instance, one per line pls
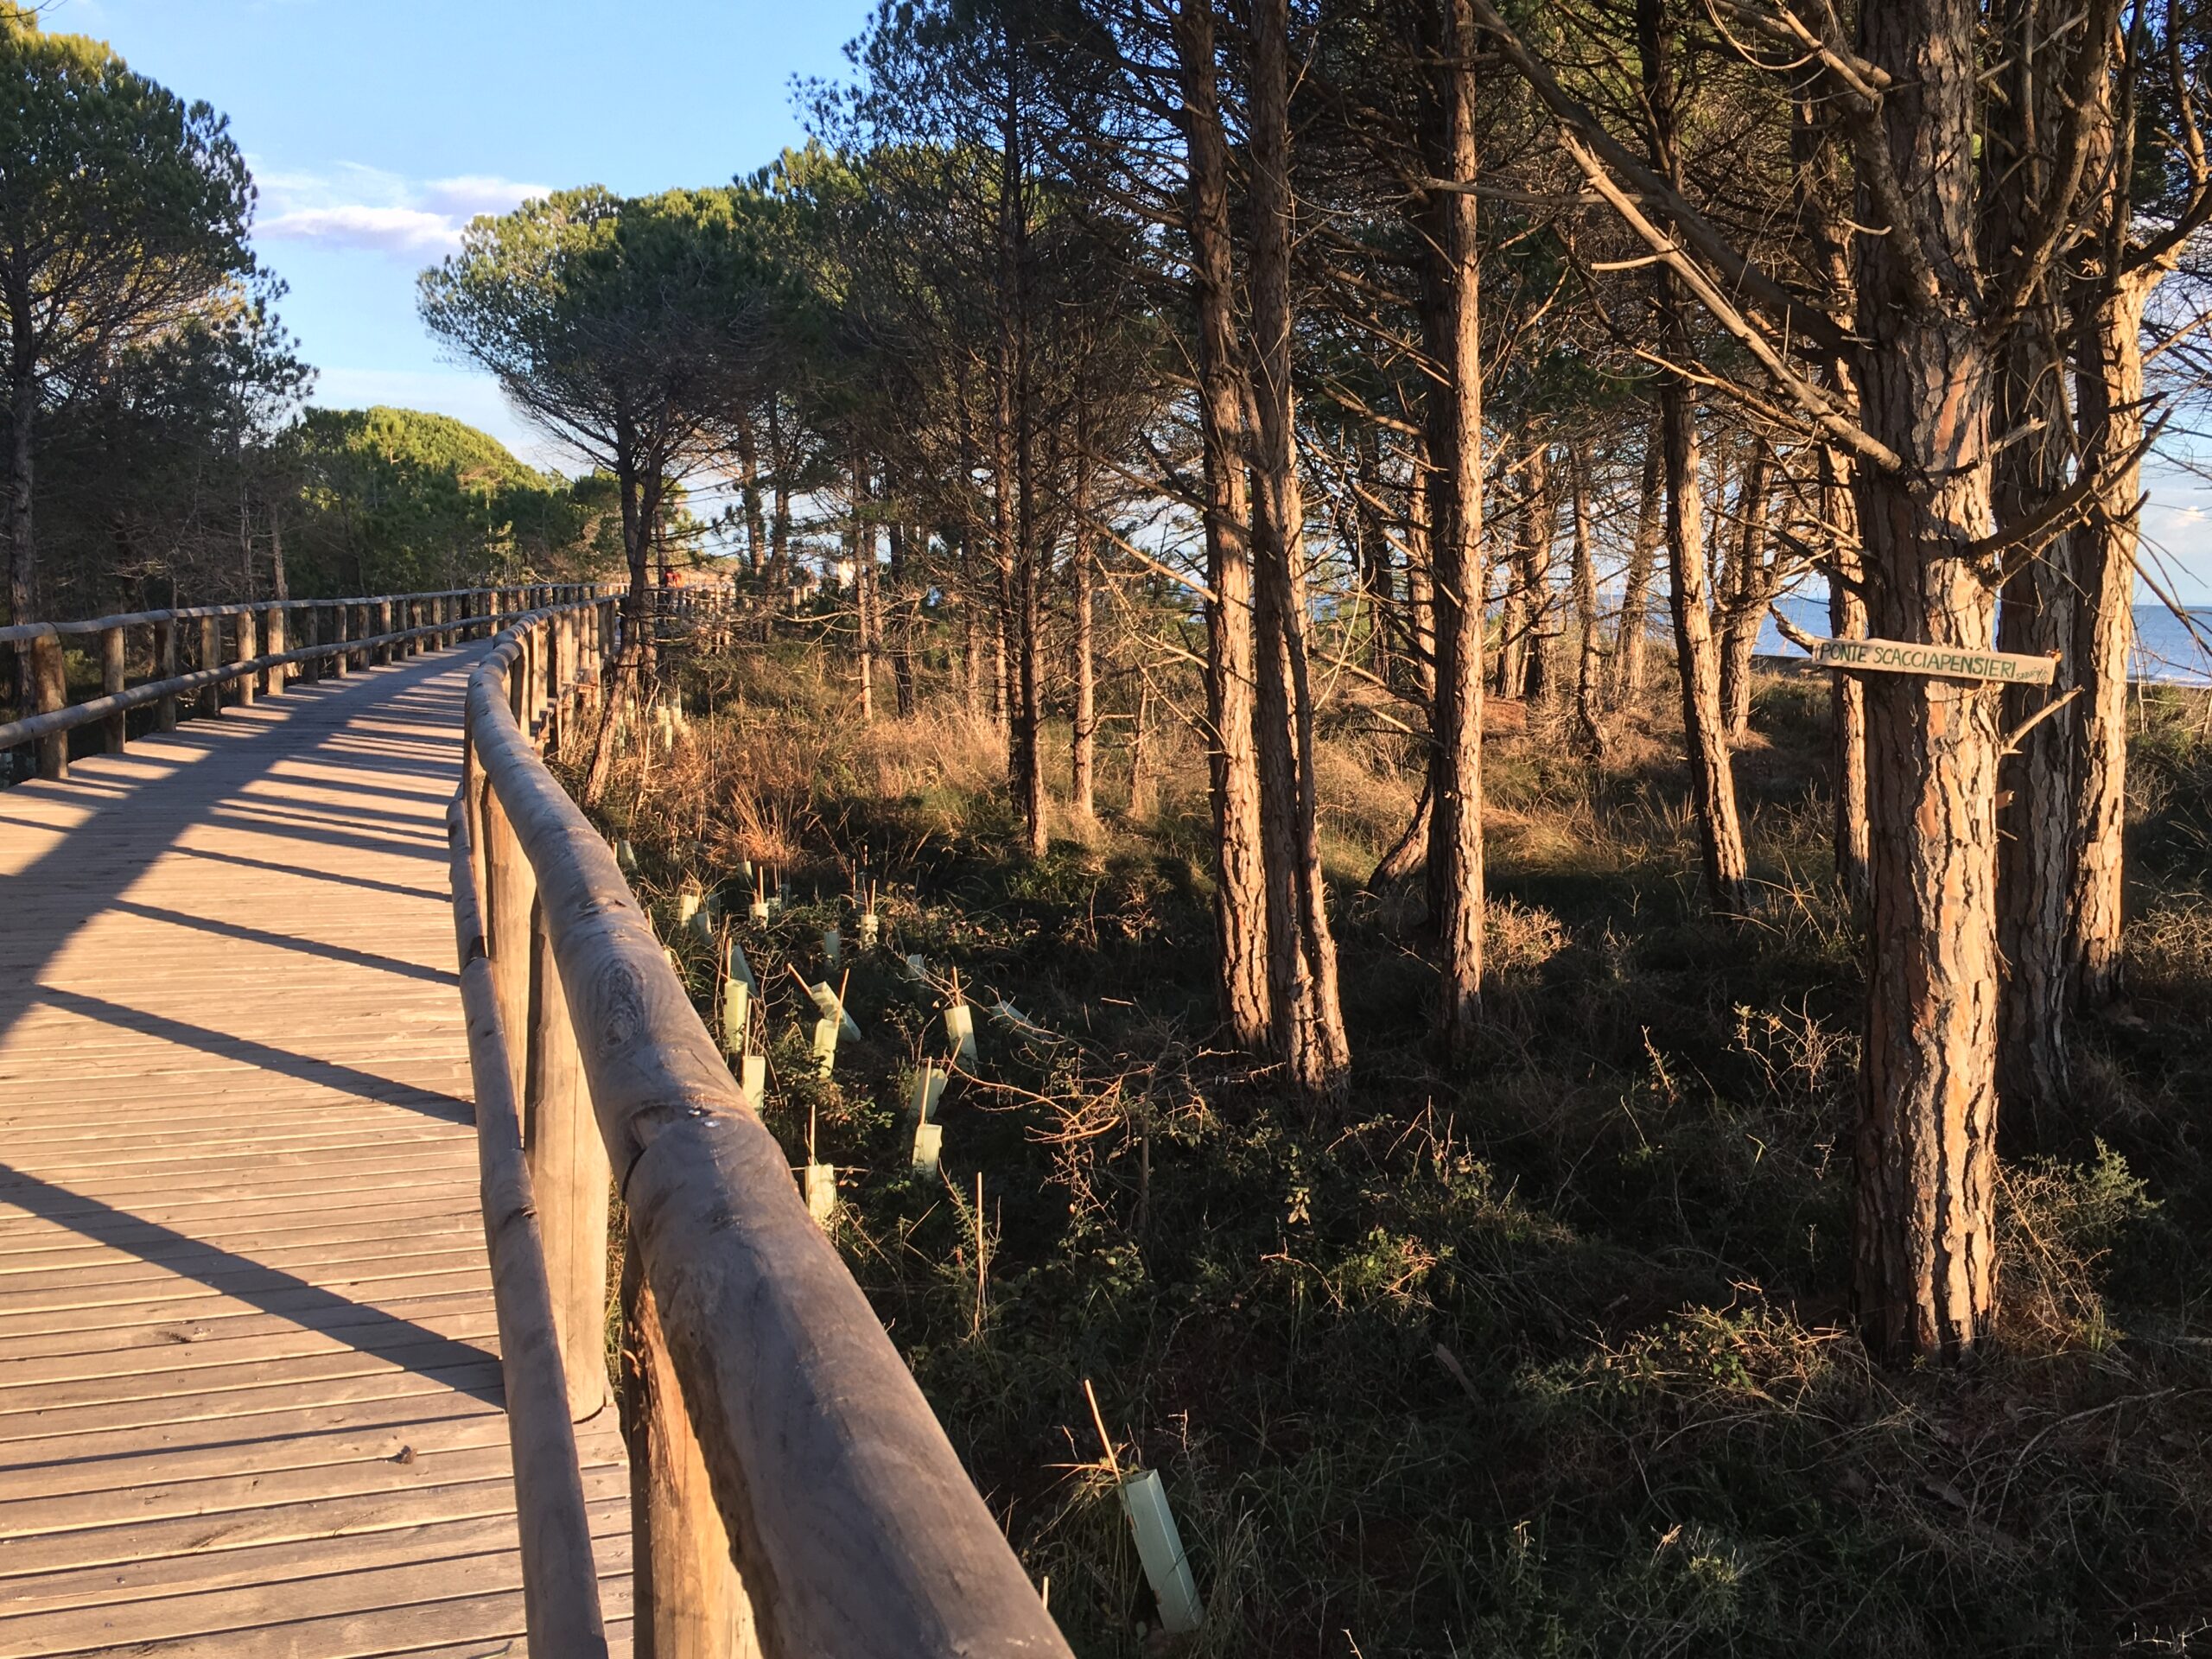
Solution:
(1551, 1357)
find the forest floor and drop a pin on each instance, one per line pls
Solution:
(1546, 1357)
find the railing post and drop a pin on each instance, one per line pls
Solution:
(165, 668)
(569, 1172)
(340, 660)
(113, 732)
(552, 686)
(50, 693)
(272, 677)
(567, 674)
(383, 627)
(246, 653)
(508, 890)
(211, 653)
(687, 1599)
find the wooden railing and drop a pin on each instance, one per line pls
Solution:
(792, 1494)
(328, 637)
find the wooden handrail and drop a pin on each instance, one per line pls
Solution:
(452, 617)
(560, 1581)
(20, 632)
(755, 1369)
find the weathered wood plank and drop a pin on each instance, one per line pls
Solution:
(242, 1263)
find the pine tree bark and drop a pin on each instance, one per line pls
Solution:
(1082, 756)
(1240, 893)
(1925, 1273)
(859, 549)
(905, 542)
(23, 541)
(1420, 588)
(779, 525)
(1378, 571)
(971, 656)
(1302, 956)
(749, 468)
(2030, 421)
(1713, 778)
(1017, 441)
(1589, 655)
(2109, 413)
(1847, 692)
(1451, 319)
(1746, 593)
(1632, 634)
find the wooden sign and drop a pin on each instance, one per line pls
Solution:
(1903, 656)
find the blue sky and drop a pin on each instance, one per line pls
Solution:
(376, 131)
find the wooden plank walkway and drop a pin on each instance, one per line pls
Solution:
(249, 1385)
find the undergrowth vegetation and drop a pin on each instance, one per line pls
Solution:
(1548, 1358)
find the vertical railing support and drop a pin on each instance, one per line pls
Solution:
(569, 1172)
(50, 693)
(113, 732)
(211, 654)
(165, 667)
(687, 1600)
(272, 677)
(383, 653)
(247, 652)
(508, 892)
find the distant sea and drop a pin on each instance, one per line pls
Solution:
(2166, 648)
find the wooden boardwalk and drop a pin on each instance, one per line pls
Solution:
(249, 1388)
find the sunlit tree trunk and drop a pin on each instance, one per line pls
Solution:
(1846, 692)
(1744, 597)
(2031, 422)
(1925, 1237)
(859, 549)
(749, 468)
(1082, 756)
(1589, 653)
(971, 652)
(2108, 380)
(1712, 779)
(1631, 635)
(905, 543)
(1308, 1020)
(1420, 590)
(1239, 900)
(1377, 569)
(1451, 317)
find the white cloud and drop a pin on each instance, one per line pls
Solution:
(393, 230)
(477, 193)
(356, 205)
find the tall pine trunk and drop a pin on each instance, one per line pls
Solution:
(1847, 692)
(1745, 594)
(1302, 954)
(1632, 634)
(22, 542)
(1925, 1241)
(748, 465)
(2109, 412)
(1713, 778)
(1240, 893)
(905, 542)
(2031, 422)
(1589, 664)
(1451, 319)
